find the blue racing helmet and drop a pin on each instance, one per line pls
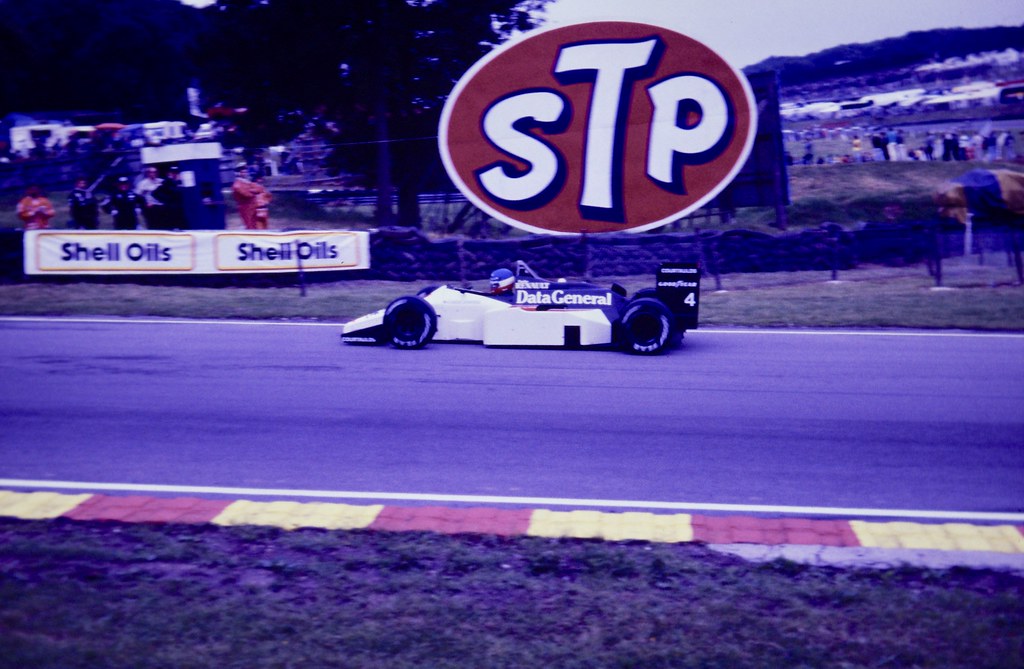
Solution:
(502, 280)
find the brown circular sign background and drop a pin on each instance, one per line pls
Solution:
(582, 99)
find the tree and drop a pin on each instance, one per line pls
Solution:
(109, 55)
(380, 70)
(376, 72)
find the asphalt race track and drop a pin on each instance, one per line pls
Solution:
(877, 421)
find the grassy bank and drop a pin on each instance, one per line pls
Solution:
(976, 297)
(106, 595)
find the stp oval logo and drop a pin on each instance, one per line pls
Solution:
(597, 127)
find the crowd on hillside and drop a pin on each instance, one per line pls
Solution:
(894, 144)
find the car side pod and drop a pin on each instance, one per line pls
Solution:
(410, 322)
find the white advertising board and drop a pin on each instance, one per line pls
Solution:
(195, 252)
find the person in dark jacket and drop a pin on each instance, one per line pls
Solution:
(172, 202)
(125, 206)
(83, 207)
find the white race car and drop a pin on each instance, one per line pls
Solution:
(530, 311)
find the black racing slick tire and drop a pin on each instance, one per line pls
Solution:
(647, 327)
(410, 322)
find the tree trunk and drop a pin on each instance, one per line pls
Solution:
(385, 214)
(409, 205)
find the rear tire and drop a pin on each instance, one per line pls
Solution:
(647, 327)
(410, 322)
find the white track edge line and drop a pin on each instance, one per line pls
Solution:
(864, 333)
(532, 501)
(128, 320)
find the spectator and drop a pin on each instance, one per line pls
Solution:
(35, 209)
(901, 147)
(878, 147)
(262, 204)
(808, 154)
(145, 186)
(83, 207)
(125, 206)
(172, 202)
(928, 149)
(891, 140)
(950, 148)
(988, 147)
(244, 190)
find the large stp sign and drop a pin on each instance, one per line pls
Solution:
(597, 127)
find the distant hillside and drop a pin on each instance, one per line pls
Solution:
(852, 61)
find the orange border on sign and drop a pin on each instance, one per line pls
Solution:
(115, 270)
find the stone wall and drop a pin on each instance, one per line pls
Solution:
(401, 254)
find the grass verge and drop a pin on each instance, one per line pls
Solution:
(109, 595)
(976, 297)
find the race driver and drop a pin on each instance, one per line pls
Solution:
(502, 282)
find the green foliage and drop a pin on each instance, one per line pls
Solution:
(375, 73)
(273, 57)
(105, 55)
(352, 62)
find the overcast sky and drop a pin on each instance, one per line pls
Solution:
(745, 32)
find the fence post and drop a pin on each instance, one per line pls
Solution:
(1017, 262)
(834, 239)
(705, 265)
(968, 235)
(302, 273)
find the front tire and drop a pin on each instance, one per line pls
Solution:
(410, 322)
(647, 327)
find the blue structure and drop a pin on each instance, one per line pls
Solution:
(199, 168)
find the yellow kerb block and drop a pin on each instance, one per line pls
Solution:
(630, 526)
(292, 515)
(945, 536)
(38, 505)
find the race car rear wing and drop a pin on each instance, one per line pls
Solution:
(678, 286)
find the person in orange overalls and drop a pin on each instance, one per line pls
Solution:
(35, 209)
(245, 191)
(262, 202)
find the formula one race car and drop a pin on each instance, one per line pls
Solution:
(523, 309)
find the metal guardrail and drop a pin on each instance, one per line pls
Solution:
(367, 198)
